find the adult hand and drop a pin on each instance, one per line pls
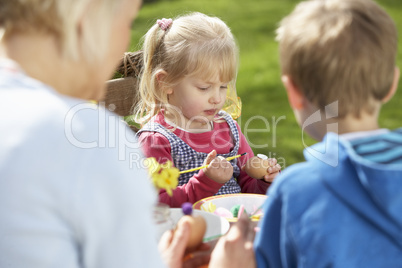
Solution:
(235, 249)
(172, 247)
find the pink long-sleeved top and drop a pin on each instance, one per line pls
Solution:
(200, 186)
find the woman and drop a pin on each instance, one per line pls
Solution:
(69, 196)
(72, 190)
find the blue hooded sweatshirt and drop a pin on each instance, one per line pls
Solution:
(340, 208)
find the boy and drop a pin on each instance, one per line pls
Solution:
(342, 207)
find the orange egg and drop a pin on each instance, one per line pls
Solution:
(256, 167)
(198, 226)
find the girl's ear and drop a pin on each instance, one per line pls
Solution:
(160, 77)
(295, 97)
(394, 86)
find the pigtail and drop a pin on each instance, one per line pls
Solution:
(149, 104)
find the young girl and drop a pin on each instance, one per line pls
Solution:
(188, 77)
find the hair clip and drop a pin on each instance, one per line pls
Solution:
(164, 24)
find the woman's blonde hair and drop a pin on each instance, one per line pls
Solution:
(59, 18)
(339, 50)
(193, 45)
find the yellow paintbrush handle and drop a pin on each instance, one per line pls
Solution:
(233, 157)
(198, 168)
(193, 169)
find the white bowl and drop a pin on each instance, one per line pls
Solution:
(252, 203)
(216, 225)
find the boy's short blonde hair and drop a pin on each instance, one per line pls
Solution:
(59, 18)
(339, 50)
(194, 45)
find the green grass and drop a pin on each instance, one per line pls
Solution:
(253, 23)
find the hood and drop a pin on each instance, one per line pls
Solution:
(372, 190)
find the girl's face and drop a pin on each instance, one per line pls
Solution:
(198, 101)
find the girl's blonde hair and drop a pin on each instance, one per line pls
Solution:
(339, 50)
(59, 18)
(193, 45)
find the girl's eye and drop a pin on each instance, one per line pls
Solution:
(203, 88)
(224, 87)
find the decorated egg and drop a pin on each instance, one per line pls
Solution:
(257, 166)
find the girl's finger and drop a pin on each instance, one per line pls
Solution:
(271, 176)
(274, 169)
(278, 167)
(272, 161)
(211, 156)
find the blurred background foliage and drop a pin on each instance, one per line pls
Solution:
(272, 129)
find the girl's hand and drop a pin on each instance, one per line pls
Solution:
(272, 171)
(219, 169)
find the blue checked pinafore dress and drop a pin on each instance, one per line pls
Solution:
(185, 157)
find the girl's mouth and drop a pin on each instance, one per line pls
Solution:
(210, 112)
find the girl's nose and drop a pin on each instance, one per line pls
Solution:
(216, 98)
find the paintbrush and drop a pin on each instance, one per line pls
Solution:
(198, 168)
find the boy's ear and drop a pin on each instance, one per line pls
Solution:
(295, 97)
(394, 86)
(160, 77)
